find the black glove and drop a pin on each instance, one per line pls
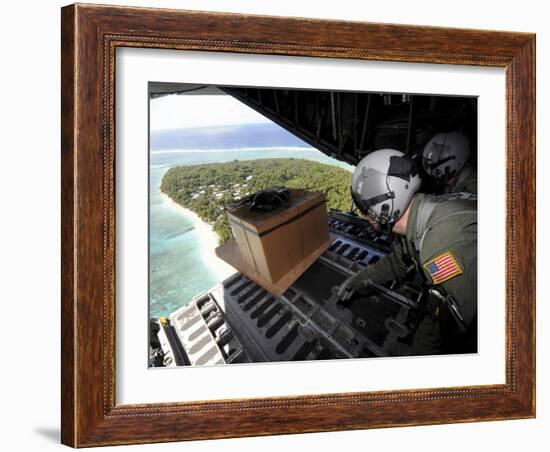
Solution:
(358, 282)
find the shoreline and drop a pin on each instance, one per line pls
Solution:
(205, 229)
(207, 237)
(298, 153)
(245, 149)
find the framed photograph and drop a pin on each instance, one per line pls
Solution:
(270, 225)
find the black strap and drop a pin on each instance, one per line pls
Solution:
(378, 199)
(450, 303)
(441, 162)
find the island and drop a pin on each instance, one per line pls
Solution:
(205, 189)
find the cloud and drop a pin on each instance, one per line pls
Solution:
(192, 111)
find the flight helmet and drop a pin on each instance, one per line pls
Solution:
(445, 155)
(383, 185)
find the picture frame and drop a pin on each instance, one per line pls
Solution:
(90, 36)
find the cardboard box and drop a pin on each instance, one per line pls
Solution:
(275, 248)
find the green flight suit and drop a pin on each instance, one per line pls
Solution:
(445, 228)
(466, 181)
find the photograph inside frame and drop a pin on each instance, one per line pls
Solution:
(292, 224)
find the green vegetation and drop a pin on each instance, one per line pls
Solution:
(205, 189)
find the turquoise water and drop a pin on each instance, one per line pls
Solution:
(179, 267)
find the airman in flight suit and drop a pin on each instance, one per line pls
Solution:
(436, 238)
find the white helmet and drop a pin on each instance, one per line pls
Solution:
(383, 184)
(445, 155)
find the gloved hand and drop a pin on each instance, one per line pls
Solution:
(354, 283)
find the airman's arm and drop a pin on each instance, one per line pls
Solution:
(392, 266)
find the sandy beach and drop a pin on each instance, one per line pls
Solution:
(207, 237)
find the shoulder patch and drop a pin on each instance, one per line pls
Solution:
(443, 267)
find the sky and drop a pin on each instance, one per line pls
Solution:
(190, 111)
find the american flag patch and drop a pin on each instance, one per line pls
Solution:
(443, 268)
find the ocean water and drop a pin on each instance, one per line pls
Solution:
(181, 262)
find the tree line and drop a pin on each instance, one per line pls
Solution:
(206, 189)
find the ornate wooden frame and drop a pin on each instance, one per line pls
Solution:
(90, 35)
